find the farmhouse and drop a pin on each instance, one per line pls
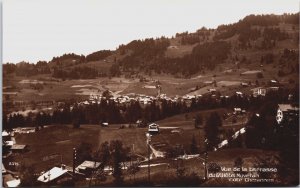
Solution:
(86, 103)
(24, 130)
(3, 169)
(9, 143)
(274, 88)
(176, 131)
(13, 183)
(87, 167)
(153, 128)
(273, 83)
(173, 47)
(104, 124)
(5, 134)
(237, 111)
(188, 97)
(286, 113)
(18, 148)
(238, 93)
(208, 82)
(259, 91)
(10, 181)
(212, 90)
(244, 84)
(198, 96)
(54, 175)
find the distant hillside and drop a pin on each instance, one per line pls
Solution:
(255, 40)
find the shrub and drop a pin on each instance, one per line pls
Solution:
(259, 75)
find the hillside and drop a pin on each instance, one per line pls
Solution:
(254, 40)
(255, 50)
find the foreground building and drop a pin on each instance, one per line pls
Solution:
(286, 113)
(54, 176)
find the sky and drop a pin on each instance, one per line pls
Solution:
(36, 30)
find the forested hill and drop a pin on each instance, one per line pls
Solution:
(256, 39)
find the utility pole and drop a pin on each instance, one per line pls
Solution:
(74, 161)
(148, 145)
(61, 163)
(205, 159)
(148, 163)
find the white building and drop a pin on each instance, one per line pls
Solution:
(286, 112)
(87, 167)
(259, 91)
(153, 128)
(52, 174)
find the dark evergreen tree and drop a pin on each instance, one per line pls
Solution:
(211, 129)
(119, 154)
(194, 146)
(198, 121)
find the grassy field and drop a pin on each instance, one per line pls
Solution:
(54, 140)
(178, 120)
(57, 90)
(170, 85)
(228, 78)
(61, 139)
(224, 158)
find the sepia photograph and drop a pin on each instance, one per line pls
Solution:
(152, 93)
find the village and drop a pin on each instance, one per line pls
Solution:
(235, 120)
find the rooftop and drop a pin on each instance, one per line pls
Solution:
(88, 164)
(9, 143)
(18, 147)
(3, 169)
(52, 174)
(287, 107)
(5, 133)
(14, 183)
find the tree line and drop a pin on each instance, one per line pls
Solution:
(149, 55)
(114, 113)
(269, 21)
(57, 66)
(247, 34)
(203, 56)
(83, 72)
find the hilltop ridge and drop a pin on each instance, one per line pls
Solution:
(256, 39)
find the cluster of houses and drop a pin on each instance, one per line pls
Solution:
(123, 99)
(58, 175)
(262, 91)
(145, 99)
(9, 143)
(10, 147)
(142, 99)
(10, 180)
